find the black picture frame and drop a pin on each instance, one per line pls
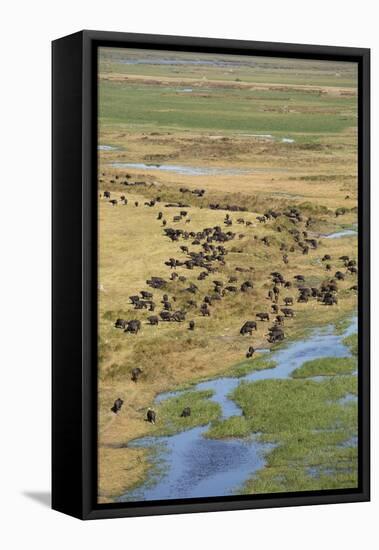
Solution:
(74, 272)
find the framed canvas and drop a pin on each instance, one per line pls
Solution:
(210, 275)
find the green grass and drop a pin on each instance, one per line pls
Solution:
(251, 365)
(306, 462)
(307, 424)
(235, 426)
(203, 411)
(158, 107)
(327, 366)
(352, 343)
(274, 406)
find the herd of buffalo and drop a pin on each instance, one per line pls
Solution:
(211, 258)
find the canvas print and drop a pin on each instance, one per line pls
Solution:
(227, 275)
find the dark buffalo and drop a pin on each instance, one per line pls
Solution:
(288, 312)
(340, 211)
(276, 334)
(246, 286)
(150, 416)
(248, 327)
(231, 288)
(250, 352)
(117, 405)
(165, 315)
(133, 326)
(178, 316)
(186, 412)
(191, 325)
(121, 323)
(141, 304)
(156, 282)
(312, 242)
(136, 373)
(263, 316)
(153, 319)
(146, 295)
(329, 299)
(205, 310)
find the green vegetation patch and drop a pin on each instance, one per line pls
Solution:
(289, 406)
(257, 363)
(155, 106)
(327, 366)
(203, 411)
(235, 426)
(309, 426)
(307, 462)
(352, 343)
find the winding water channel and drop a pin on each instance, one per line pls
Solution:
(185, 170)
(190, 465)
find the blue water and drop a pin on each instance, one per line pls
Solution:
(343, 233)
(107, 148)
(183, 170)
(194, 62)
(348, 398)
(194, 466)
(194, 170)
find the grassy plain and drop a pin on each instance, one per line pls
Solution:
(329, 366)
(229, 120)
